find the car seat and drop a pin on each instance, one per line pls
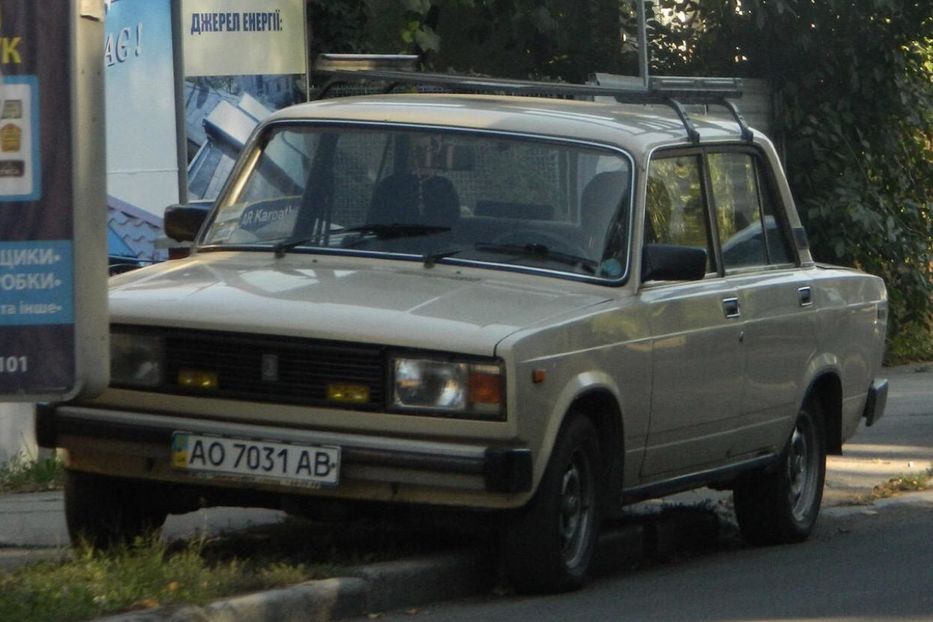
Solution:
(599, 204)
(404, 199)
(395, 201)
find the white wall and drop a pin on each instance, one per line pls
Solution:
(17, 431)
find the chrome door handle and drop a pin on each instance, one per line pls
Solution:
(805, 296)
(730, 307)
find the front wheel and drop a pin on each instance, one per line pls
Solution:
(780, 506)
(548, 546)
(102, 511)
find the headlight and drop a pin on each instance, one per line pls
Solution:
(135, 360)
(457, 388)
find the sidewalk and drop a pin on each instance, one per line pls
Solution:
(901, 443)
(32, 526)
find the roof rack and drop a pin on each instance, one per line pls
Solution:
(671, 91)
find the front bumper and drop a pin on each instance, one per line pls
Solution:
(371, 465)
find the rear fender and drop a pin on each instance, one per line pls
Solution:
(823, 381)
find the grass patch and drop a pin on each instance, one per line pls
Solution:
(25, 474)
(911, 482)
(142, 576)
(151, 574)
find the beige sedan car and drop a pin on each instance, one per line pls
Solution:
(536, 307)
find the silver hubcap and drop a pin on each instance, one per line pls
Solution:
(802, 469)
(576, 507)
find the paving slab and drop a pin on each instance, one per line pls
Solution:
(37, 520)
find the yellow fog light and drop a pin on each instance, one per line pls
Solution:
(355, 393)
(197, 379)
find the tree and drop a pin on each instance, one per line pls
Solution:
(566, 39)
(853, 84)
(854, 80)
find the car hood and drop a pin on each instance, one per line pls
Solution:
(391, 303)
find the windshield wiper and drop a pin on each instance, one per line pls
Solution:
(288, 244)
(432, 258)
(388, 232)
(539, 250)
(396, 230)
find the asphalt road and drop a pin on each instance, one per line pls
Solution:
(863, 563)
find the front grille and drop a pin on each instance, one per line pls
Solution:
(275, 369)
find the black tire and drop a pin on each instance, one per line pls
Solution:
(548, 545)
(103, 511)
(780, 505)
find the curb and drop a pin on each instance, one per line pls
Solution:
(381, 587)
(376, 587)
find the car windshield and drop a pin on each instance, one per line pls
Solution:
(494, 199)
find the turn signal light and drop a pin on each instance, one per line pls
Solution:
(486, 389)
(198, 379)
(355, 393)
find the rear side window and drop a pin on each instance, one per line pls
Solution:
(749, 232)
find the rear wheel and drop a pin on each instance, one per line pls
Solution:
(548, 546)
(102, 511)
(781, 505)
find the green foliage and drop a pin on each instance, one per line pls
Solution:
(141, 576)
(338, 26)
(912, 342)
(854, 84)
(25, 474)
(514, 38)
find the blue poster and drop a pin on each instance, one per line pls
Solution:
(36, 284)
(142, 155)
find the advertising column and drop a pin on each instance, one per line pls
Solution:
(52, 307)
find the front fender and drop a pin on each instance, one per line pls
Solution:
(573, 389)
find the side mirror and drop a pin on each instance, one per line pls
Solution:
(667, 262)
(182, 222)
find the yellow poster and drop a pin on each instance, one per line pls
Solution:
(243, 37)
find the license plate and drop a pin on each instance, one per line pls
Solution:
(309, 465)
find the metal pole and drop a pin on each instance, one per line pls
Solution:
(642, 43)
(304, 15)
(181, 134)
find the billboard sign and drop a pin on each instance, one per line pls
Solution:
(140, 101)
(52, 303)
(243, 37)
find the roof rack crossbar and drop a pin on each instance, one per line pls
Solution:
(671, 91)
(657, 95)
